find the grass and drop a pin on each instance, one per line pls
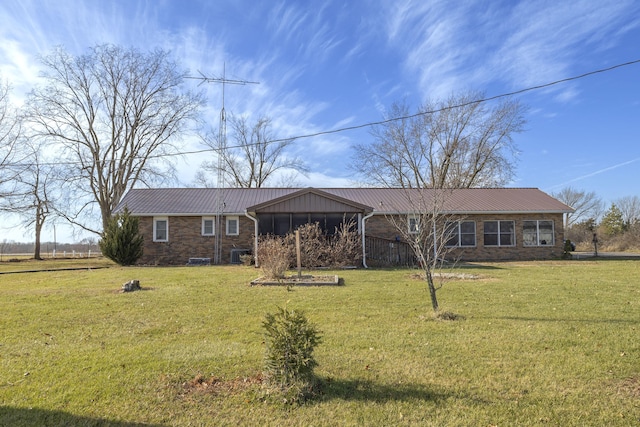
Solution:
(541, 343)
(20, 263)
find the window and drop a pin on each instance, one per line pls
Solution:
(537, 233)
(265, 224)
(160, 229)
(232, 226)
(414, 224)
(460, 233)
(281, 224)
(499, 233)
(208, 226)
(298, 220)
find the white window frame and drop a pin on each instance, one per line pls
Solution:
(458, 233)
(499, 233)
(213, 225)
(230, 219)
(537, 235)
(413, 224)
(157, 219)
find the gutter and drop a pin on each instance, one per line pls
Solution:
(364, 251)
(255, 237)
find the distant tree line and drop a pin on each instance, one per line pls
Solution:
(8, 247)
(616, 226)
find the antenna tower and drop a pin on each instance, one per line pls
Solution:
(222, 137)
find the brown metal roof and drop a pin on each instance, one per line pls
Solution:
(202, 201)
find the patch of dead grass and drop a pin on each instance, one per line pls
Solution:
(630, 386)
(217, 385)
(449, 276)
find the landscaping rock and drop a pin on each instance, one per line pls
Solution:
(131, 285)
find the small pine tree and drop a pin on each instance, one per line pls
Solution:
(290, 340)
(121, 241)
(613, 222)
(567, 249)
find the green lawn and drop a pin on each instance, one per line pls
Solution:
(541, 343)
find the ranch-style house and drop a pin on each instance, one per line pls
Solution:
(488, 224)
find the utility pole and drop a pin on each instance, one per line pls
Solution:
(222, 135)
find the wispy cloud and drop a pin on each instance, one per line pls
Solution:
(592, 174)
(453, 46)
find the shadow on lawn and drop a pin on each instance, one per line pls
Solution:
(10, 416)
(365, 390)
(564, 320)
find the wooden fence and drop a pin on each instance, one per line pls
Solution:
(388, 253)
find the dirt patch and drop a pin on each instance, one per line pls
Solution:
(216, 385)
(449, 276)
(630, 386)
(448, 316)
(304, 280)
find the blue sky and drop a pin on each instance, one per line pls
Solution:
(331, 64)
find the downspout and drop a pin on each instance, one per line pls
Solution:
(364, 250)
(255, 237)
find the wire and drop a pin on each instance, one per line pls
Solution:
(423, 113)
(379, 122)
(465, 104)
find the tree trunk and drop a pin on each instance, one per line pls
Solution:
(36, 251)
(432, 289)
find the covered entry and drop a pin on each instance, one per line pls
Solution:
(285, 214)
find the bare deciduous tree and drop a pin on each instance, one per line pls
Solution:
(116, 115)
(455, 143)
(10, 130)
(429, 230)
(252, 156)
(32, 196)
(630, 209)
(586, 204)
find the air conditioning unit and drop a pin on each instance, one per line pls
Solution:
(236, 253)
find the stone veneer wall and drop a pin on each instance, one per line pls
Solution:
(380, 226)
(186, 241)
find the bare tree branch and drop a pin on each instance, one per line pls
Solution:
(10, 153)
(252, 158)
(586, 204)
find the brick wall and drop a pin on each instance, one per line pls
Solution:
(382, 227)
(186, 241)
